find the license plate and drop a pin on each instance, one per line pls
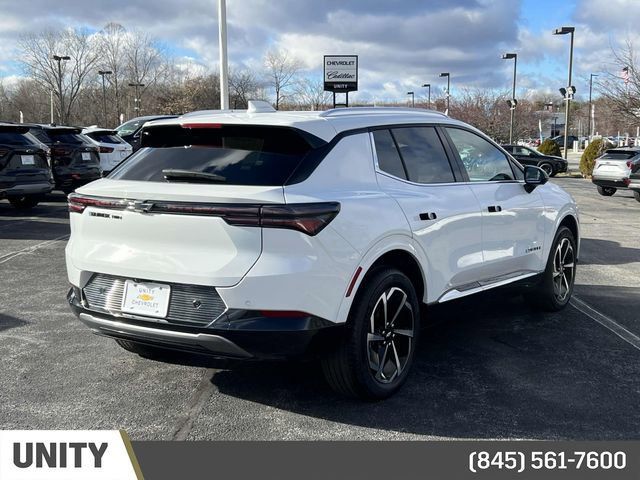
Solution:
(28, 160)
(86, 156)
(148, 299)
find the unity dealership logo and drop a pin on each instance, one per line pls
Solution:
(72, 455)
(57, 455)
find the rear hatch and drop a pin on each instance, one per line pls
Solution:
(22, 160)
(112, 148)
(71, 151)
(614, 164)
(187, 208)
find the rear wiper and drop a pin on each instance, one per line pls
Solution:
(176, 175)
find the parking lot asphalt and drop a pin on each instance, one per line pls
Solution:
(487, 367)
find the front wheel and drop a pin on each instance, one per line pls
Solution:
(548, 168)
(556, 286)
(375, 357)
(606, 191)
(24, 202)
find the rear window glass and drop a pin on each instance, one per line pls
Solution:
(105, 137)
(620, 155)
(235, 155)
(129, 127)
(40, 134)
(14, 138)
(66, 137)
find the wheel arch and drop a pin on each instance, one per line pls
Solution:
(571, 222)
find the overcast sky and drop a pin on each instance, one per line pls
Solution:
(401, 43)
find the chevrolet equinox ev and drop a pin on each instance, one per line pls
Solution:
(269, 235)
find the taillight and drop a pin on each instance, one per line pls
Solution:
(60, 151)
(77, 203)
(630, 164)
(106, 150)
(308, 218)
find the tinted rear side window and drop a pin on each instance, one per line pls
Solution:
(620, 155)
(66, 137)
(14, 138)
(237, 155)
(40, 135)
(388, 157)
(105, 138)
(423, 155)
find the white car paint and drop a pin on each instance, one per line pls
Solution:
(461, 252)
(111, 153)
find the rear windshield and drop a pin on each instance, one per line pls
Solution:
(619, 155)
(232, 154)
(14, 138)
(65, 137)
(129, 127)
(103, 137)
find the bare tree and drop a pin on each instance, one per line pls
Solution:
(146, 63)
(244, 86)
(65, 78)
(282, 70)
(113, 45)
(621, 87)
(311, 93)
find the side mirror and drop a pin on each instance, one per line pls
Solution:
(534, 176)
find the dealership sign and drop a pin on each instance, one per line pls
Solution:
(341, 73)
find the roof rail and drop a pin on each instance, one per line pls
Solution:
(340, 112)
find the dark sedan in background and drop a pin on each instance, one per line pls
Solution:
(529, 156)
(75, 160)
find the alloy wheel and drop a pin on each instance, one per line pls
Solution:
(390, 335)
(548, 169)
(563, 269)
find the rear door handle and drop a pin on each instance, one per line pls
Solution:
(428, 216)
(494, 208)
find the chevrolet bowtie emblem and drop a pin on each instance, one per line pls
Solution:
(141, 206)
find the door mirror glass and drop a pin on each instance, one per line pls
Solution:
(534, 176)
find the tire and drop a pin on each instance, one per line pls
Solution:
(636, 195)
(146, 351)
(373, 360)
(24, 202)
(606, 191)
(555, 288)
(548, 168)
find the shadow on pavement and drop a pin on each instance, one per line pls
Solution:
(7, 322)
(606, 252)
(491, 368)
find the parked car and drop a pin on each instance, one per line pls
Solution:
(25, 175)
(570, 139)
(614, 168)
(112, 148)
(529, 156)
(130, 131)
(74, 158)
(266, 235)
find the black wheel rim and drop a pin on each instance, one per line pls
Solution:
(564, 268)
(390, 335)
(547, 168)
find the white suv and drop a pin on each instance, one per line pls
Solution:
(263, 234)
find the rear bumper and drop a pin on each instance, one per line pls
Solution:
(242, 335)
(611, 182)
(26, 189)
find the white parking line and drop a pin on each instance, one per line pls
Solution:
(610, 324)
(9, 256)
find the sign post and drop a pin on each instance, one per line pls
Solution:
(340, 76)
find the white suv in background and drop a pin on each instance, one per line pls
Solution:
(263, 234)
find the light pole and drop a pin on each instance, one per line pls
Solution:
(564, 31)
(589, 131)
(104, 73)
(413, 99)
(448, 75)
(513, 102)
(136, 101)
(428, 85)
(60, 59)
(224, 67)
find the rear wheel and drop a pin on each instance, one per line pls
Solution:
(636, 194)
(375, 357)
(556, 286)
(548, 168)
(24, 202)
(606, 191)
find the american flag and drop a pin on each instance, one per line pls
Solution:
(625, 74)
